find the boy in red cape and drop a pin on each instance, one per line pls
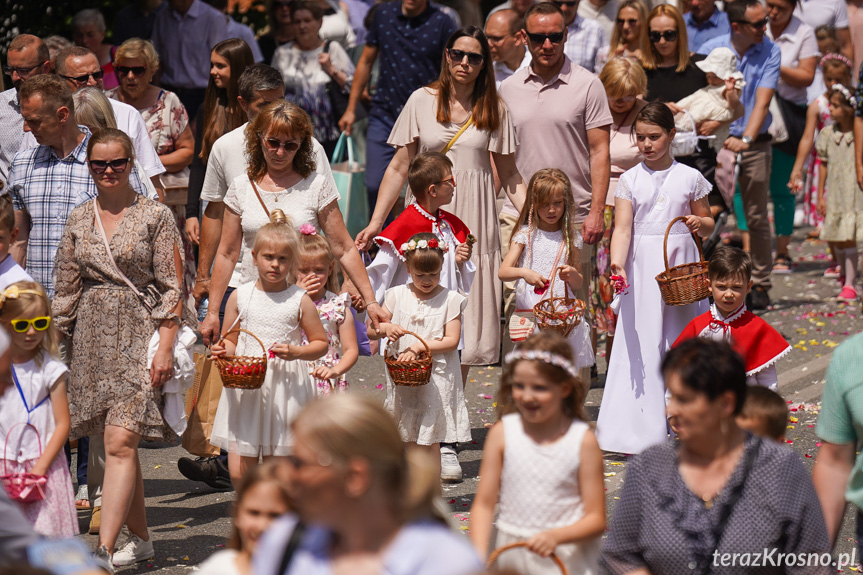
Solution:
(431, 182)
(760, 345)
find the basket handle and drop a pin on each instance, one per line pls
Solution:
(422, 341)
(665, 242)
(566, 289)
(6, 445)
(496, 553)
(239, 329)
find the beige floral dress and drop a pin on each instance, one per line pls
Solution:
(109, 325)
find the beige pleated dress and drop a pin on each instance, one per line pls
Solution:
(473, 203)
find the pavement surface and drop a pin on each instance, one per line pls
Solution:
(189, 521)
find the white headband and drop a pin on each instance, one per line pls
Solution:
(543, 356)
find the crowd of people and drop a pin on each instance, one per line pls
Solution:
(563, 152)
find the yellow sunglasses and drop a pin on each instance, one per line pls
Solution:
(38, 323)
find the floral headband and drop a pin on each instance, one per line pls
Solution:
(545, 357)
(846, 93)
(838, 57)
(422, 245)
(12, 292)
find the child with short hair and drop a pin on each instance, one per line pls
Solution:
(764, 413)
(730, 276)
(10, 271)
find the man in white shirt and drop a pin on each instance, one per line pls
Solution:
(585, 38)
(504, 41)
(604, 12)
(79, 67)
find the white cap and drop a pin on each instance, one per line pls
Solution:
(723, 63)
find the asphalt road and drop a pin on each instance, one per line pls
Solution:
(190, 521)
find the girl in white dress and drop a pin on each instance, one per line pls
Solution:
(546, 252)
(648, 196)
(37, 398)
(433, 413)
(542, 464)
(315, 272)
(252, 423)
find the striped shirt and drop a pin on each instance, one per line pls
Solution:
(584, 43)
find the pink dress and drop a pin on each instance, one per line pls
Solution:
(810, 200)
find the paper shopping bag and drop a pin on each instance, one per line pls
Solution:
(202, 400)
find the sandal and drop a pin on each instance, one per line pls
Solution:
(782, 265)
(82, 498)
(833, 272)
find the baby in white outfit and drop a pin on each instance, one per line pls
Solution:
(716, 101)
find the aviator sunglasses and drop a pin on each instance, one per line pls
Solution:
(38, 323)
(273, 145)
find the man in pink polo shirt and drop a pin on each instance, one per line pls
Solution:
(562, 120)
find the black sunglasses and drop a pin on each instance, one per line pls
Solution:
(458, 56)
(8, 70)
(668, 35)
(135, 70)
(540, 39)
(630, 21)
(118, 166)
(569, 3)
(757, 25)
(97, 75)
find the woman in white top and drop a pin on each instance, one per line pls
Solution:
(308, 66)
(281, 175)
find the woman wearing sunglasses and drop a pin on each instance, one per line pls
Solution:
(118, 239)
(626, 39)
(281, 176)
(310, 67)
(135, 64)
(464, 96)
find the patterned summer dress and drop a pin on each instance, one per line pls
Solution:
(109, 382)
(332, 310)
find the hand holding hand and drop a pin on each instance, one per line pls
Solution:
(218, 349)
(543, 544)
(210, 326)
(693, 222)
(463, 252)
(392, 331)
(193, 230)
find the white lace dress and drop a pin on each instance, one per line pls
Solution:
(632, 414)
(434, 412)
(253, 422)
(539, 490)
(539, 255)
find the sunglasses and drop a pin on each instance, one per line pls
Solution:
(118, 166)
(540, 39)
(668, 35)
(38, 323)
(135, 70)
(568, 3)
(97, 75)
(273, 145)
(458, 56)
(757, 25)
(9, 70)
(630, 21)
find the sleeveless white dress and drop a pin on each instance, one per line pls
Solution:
(540, 257)
(539, 491)
(632, 414)
(253, 422)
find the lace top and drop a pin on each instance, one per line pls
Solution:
(543, 252)
(272, 316)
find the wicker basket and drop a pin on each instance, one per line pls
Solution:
(243, 371)
(410, 373)
(559, 314)
(686, 283)
(496, 553)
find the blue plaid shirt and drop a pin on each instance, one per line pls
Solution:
(48, 188)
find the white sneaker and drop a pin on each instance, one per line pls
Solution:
(450, 470)
(133, 551)
(104, 559)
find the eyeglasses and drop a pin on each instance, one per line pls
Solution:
(668, 36)
(273, 145)
(9, 70)
(38, 323)
(540, 39)
(450, 180)
(630, 21)
(97, 75)
(568, 3)
(757, 25)
(473, 58)
(135, 70)
(118, 166)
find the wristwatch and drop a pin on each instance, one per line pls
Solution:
(746, 140)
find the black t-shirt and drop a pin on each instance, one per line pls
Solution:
(668, 85)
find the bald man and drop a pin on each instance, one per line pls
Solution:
(508, 52)
(26, 57)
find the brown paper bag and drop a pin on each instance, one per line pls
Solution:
(202, 400)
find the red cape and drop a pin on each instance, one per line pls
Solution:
(752, 337)
(415, 220)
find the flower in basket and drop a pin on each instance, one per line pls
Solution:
(422, 244)
(308, 230)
